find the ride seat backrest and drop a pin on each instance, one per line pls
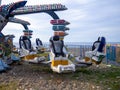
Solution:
(95, 45)
(102, 45)
(57, 47)
(39, 42)
(99, 44)
(25, 43)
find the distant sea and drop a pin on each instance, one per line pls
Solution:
(68, 43)
(87, 43)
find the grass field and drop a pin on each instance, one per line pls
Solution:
(26, 76)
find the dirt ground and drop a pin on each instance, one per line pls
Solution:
(40, 77)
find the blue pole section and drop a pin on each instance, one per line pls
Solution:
(113, 53)
(52, 14)
(107, 53)
(1, 65)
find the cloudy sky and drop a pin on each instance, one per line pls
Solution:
(89, 19)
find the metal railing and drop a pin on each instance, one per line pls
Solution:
(112, 51)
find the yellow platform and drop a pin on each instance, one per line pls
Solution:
(28, 57)
(32, 56)
(59, 62)
(87, 59)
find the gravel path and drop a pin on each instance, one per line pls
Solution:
(37, 77)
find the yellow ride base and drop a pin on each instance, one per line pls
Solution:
(59, 62)
(32, 56)
(43, 54)
(87, 59)
(28, 57)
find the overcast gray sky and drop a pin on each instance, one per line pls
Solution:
(89, 19)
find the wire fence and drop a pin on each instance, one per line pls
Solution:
(112, 52)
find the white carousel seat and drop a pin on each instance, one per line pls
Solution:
(97, 54)
(25, 46)
(60, 62)
(39, 45)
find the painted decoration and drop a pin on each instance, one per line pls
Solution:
(39, 8)
(7, 9)
(28, 33)
(60, 28)
(59, 22)
(60, 33)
